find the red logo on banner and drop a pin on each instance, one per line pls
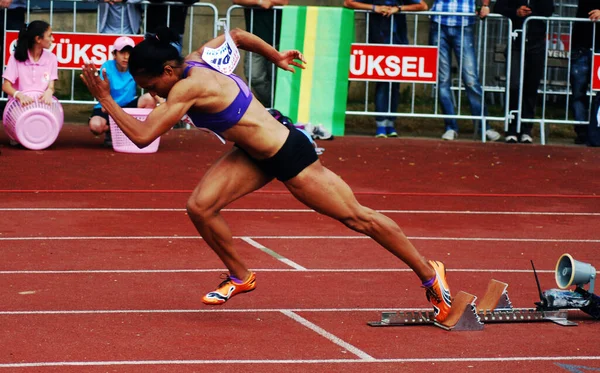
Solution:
(73, 50)
(596, 73)
(402, 63)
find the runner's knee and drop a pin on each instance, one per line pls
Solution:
(201, 207)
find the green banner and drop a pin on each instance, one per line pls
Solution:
(317, 94)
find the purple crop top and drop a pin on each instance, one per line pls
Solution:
(230, 116)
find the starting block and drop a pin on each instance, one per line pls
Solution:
(466, 315)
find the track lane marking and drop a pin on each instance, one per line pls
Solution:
(272, 253)
(329, 336)
(503, 239)
(461, 212)
(427, 238)
(316, 361)
(287, 193)
(222, 310)
(261, 270)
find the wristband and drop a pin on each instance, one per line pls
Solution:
(399, 8)
(15, 94)
(485, 6)
(373, 7)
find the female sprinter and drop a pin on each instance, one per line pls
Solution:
(264, 149)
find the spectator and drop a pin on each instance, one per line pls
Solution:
(15, 18)
(454, 33)
(123, 88)
(581, 63)
(115, 17)
(15, 14)
(387, 26)
(535, 50)
(32, 67)
(172, 15)
(264, 22)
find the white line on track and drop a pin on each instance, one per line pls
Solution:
(263, 270)
(332, 338)
(463, 212)
(319, 361)
(212, 310)
(273, 254)
(503, 239)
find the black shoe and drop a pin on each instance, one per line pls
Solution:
(511, 139)
(107, 140)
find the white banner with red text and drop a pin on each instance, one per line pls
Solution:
(396, 63)
(74, 49)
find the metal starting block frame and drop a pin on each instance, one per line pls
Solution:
(466, 315)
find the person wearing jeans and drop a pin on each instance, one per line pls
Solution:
(387, 26)
(581, 62)
(455, 34)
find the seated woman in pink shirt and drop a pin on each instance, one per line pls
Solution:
(32, 67)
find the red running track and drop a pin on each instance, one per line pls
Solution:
(102, 271)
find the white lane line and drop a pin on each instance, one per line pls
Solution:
(332, 338)
(260, 270)
(503, 359)
(461, 212)
(481, 239)
(212, 310)
(272, 253)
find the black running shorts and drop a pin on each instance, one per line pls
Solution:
(295, 155)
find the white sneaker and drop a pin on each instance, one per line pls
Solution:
(526, 139)
(320, 133)
(492, 135)
(450, 135)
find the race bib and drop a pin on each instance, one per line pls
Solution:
(225, 58)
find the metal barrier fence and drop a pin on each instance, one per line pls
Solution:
(493, 47)
(493, 39)
(556, 80)
(423, 100)
(82, 17)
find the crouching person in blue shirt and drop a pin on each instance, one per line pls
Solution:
(122, 88)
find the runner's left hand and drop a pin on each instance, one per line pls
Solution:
(98, 87)
(287, 59)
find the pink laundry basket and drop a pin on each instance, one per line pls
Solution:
(35, 126)
(121, 142)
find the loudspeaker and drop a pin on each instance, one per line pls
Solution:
(571, 272)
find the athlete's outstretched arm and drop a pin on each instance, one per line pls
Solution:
(252, 43)
(159, 121)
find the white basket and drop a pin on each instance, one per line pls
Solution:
(35, 126)
(121, 142)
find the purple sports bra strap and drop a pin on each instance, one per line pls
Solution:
(191, 64)
(243, 87)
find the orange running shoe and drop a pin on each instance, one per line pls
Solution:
(439, 293)
(228, 289)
